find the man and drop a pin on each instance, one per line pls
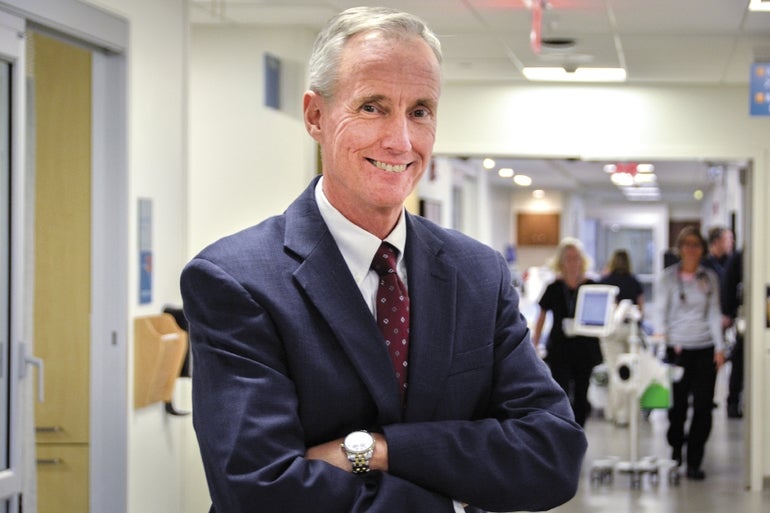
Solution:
(731, 298)
(720, 247)
(296, 403)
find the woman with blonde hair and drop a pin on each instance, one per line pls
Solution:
(570, 358)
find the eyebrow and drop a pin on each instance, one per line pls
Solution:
(380, 98)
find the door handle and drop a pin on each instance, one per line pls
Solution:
(34, 361)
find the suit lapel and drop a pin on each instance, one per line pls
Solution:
(329, 285)
(433, 300)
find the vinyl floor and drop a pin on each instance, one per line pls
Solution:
(722, 491)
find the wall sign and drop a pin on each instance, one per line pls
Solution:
(145, 250)
(759, 87)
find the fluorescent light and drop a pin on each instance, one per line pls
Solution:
(641, 193)
(557, 74)
(645, 178)
(759, 5)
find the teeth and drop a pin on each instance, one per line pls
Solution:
(399, 168)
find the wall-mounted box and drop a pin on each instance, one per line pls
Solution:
(160, 347)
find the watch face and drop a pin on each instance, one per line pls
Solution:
(358, 441)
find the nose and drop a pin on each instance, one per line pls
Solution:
(396, 136)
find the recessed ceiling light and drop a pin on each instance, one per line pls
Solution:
(622, 179)
(538, 194)
(559, 74)
(698, 194)
(610, 168)
(522, 180)
(505, 172)
(488, 163)
(645, 168)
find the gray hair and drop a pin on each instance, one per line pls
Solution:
(328, 46)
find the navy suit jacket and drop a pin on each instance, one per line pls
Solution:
(287, 355)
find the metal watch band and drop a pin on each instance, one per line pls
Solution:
(360, 464)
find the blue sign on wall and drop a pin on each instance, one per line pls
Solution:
(145, 250)
(759, 87)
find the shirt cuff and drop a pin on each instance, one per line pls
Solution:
(458, 507)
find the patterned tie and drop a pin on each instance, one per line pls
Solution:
(393, 311)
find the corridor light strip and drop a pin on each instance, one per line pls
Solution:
(558, 74)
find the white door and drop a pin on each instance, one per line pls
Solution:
(13, 359)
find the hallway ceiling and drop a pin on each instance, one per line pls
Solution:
(677, 180)
(488, 41)
(658, 41)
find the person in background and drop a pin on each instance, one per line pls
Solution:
(570, 358)
(352, 357)
(732, 302)
(720, 246)
(619, 274)
(691, 322)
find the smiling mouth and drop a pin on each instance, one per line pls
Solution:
(393, 168)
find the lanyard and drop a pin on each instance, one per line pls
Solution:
(700, 277)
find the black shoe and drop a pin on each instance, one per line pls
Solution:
(696, 474)
(734, 412)
(676, 455)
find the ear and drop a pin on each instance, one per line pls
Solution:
(312, 105)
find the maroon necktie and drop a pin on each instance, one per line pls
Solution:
(393, 311)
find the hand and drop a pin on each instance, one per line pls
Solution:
(719, 358)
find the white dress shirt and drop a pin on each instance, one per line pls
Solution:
(358, 248)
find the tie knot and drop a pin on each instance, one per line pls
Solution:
(384, 261)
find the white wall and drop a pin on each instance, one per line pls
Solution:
(247, 161)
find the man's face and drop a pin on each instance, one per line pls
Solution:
(377, 131)
(728, 241)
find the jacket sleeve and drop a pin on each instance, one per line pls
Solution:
(245, 414)
(524, 452)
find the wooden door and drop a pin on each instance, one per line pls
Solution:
(61, 100)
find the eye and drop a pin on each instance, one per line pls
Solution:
(421, 113)
(368, 107)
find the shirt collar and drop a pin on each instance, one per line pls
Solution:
(356, 244)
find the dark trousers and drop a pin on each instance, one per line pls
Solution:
(735, 386)
(574, 379)
(697, 383)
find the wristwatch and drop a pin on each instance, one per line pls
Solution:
(358, 446)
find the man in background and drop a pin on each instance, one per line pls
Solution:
(720, 247)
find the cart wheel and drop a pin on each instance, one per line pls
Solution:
(596, 476)
(673, 476)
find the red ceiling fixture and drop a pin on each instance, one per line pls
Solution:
(536, 32)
